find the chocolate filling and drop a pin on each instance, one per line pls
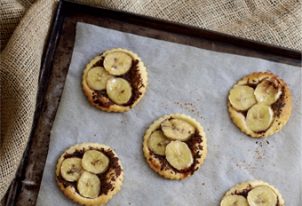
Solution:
(194, 143)
(252, 85)
(99, 63)
(279, 104)
(132, 76)
(245, 192)
(106, 184)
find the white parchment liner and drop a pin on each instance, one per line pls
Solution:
(182, 79)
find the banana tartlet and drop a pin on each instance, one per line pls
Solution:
(89, 173)
(175, 146)
(115, 80)
(260, 104)
(252, 193)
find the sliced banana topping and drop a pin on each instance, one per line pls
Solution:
(95, 161)
(262, 196)
(267, 92)
(89, 185)
(234, 200)
(119, 90)
(179, 155)
(117, 62)
(71, 169)
(259, 117)
(242, 97)
(97, 78)
(177, 129)
(158, 142)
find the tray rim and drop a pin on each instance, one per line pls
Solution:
(51, 45)
(206, 33)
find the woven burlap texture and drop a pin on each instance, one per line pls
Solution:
(276, 22)
(20, 65)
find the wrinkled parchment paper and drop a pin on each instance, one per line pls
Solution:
(181, 79)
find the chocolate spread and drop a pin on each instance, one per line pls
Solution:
(245, 192)
(194, 143)
(279, 104)
(106, 185)
(132, 76)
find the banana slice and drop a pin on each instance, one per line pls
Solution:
(234, 200)
(242, 97)
(158, 142)
(97, 78)
(177, 129)
(262, 196)
(179, 155)
(89, 185)
(117, 63)
(119, 90)
(267, 92)
(95, 161)
(259, 117)
(71, 169)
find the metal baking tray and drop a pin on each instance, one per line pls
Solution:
(57, 55)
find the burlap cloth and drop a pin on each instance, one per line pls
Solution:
(276, 22)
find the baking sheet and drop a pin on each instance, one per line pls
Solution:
(182, 79)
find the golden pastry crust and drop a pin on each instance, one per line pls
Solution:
(282, 110)
(114, 177)
(244, 187)
(199, 150)
(113, 107)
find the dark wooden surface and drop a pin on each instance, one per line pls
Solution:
(25, 188)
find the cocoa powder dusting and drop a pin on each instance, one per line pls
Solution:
(190, 107)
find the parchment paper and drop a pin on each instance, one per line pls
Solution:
(181, 79)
